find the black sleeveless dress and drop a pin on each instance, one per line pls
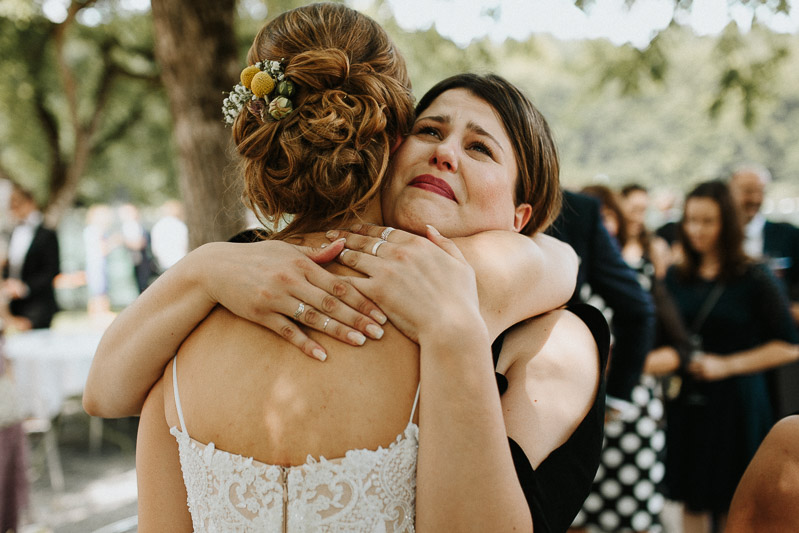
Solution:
(555, 490)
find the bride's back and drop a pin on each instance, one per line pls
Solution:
(251, 393)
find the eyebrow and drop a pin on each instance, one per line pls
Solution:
(471, 126)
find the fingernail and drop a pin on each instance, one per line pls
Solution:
(433, 230)
(356, 337)
(378, 316)
(356, 227)
(332, 234)
(324, 245)
(319, 354)
(374, 331)
(341, 255)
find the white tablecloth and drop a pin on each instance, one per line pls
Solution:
(49, 367)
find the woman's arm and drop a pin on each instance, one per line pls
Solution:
(517, 276)
(162, 494)
(431, 296)
(262, 282)
(713, 367)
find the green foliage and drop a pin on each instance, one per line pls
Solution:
(683, 109)
(115, 74)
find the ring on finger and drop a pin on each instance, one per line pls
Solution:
(327, 321)
(386, 233)
(377, 245)
(300, 310)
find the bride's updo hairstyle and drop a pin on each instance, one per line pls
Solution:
(353, 100)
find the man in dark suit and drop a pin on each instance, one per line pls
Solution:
(604, 270)
(776, 243)
(32, 265)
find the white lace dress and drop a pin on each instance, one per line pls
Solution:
(369, 491)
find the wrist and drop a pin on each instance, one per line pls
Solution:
(455, 333)
(198, 271)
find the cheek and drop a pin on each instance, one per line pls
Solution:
(494, 207)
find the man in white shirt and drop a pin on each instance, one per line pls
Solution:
(32, 265)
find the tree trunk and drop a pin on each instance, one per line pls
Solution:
(196, 49)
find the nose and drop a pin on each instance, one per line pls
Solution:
(444, 157)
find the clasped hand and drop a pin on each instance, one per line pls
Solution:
(420, 282)
(424, 284)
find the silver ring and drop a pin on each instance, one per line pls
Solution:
(324, 326)
(299, 311)
(377, 245)
(386, 233)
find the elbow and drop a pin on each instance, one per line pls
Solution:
(91, 404)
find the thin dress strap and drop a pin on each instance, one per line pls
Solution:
(177, 394)
(415, 402)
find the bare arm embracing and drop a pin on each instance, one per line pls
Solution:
(431, 296)
(520, 277)
(256, 281)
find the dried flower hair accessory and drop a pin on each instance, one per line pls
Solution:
(264, 90)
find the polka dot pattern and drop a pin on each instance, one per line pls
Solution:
(625, 494)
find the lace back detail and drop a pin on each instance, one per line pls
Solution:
(370, 491)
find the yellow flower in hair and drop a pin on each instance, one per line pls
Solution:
(247, 75)
(262, 84)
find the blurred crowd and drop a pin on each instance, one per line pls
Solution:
(35, 286)
(704, 309)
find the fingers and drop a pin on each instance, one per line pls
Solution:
(293, 334)
(445, 244)
(324, 254)
(320, 321)
(338, 299)
(373, 230)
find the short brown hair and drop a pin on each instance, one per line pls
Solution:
(536, 155)
(327, 158)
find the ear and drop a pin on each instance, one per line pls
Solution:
(521, 216)
(396, 144)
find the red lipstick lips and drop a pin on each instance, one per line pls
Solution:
(434, 185)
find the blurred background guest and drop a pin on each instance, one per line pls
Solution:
(776, 244)
(31, 266)
(603, 272)
(137, 241)
(742, 325)
(99, 241)
(642, 250)
(170, 236)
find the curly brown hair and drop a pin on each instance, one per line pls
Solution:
(327, 159)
